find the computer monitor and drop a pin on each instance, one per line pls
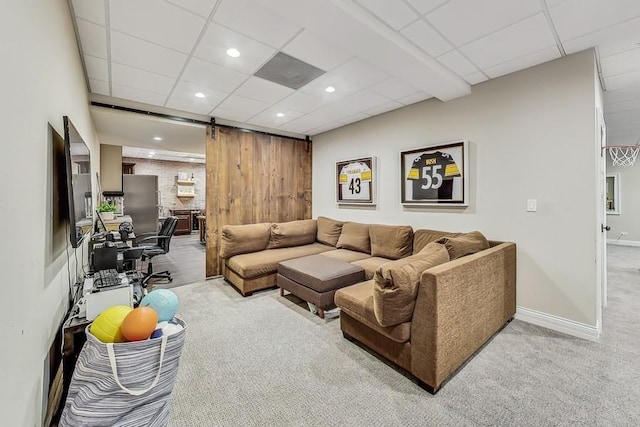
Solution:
(101, 227)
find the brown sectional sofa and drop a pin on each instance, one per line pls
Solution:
(431, 299)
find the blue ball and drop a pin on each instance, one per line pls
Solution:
(163, 301)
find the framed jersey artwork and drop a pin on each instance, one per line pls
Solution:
(355, 181)
(436, 175)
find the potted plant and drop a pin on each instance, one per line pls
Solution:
(107, 210)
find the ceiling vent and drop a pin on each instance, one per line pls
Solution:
(288, 71)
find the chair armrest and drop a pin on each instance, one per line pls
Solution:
(460, 305)
(152, 238)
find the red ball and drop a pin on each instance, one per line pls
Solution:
(139, 324)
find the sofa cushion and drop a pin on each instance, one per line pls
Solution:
(346, 255)
(422, 238)
(391, 241)
(292, 233)
(328, 231)
(357, 302)
(465, 244)
(396, 284)
(355, 236)
(370, 265)
(242, 239)
(265, 262)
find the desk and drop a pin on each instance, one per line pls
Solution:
(114, 224)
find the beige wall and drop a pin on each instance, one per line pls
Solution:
(167, 172)
(532, 136)
(41, 79)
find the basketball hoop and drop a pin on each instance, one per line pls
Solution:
(623, 155)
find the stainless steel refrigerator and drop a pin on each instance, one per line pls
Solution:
(141, 201)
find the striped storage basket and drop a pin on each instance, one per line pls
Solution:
(127, 384)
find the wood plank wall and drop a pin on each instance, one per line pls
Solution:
(252, 178)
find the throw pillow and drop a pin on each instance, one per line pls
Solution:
(396, 283)
(465, 244)
(328, 231)
(391, 241)
(292, 233)
(355, 236)
(242, 239)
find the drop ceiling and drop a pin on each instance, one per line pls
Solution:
(379, 55)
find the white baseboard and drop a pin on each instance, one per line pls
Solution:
(560, 324)
(623, 242)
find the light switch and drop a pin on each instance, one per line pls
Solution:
(532, 205)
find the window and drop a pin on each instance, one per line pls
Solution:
(613, 194)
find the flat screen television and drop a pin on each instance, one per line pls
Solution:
(78, 159)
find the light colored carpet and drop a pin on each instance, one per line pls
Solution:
(264, 360)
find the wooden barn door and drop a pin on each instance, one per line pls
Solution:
(252, 178)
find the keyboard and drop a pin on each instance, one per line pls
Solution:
(106, 278)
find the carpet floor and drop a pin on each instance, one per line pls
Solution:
(266, 360)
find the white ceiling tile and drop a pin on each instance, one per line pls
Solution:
(93, 38)
(457, 63)
(269, 117)
(626, 94)
(201, 7)
(182, 98)
(302, 124)
(575, 18)
(621, 63)
(475, 78)
(316, 51)
(524, 38)
(97, 68)
(462, 21)
(396, 13)
(610, 41)
(120, 91)
(242, 104)
(424, 6)
(412, 99)
(238, 116)
(263, 90)
(363, 100)
(353, 118)
(342, 87)
(622, 81)
(393, 88)
(360, 72)
(254, 20)
(426, 38)
(217, 39)
(140, 79)
(99, 87)
(90, 10)
(146, 56)
(212, 76)
(535, 58)
(630, 105)
(187, 91)
(304, 102)
(389, 106)
(157, 21)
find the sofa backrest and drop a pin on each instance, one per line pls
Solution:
(391, 241)
(355, 236)
(423, 237)
(242, 239)
(328, 231)
(292, 233)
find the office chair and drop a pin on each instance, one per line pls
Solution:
(155, 245)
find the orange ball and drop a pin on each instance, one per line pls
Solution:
(139, 324)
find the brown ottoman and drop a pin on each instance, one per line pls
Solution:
(316, 279)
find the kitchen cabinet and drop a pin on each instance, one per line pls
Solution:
(184, 221)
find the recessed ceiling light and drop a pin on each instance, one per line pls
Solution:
(280, 115)
(233, 52)
(199, 95)
(157, 138)
(330, 89)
